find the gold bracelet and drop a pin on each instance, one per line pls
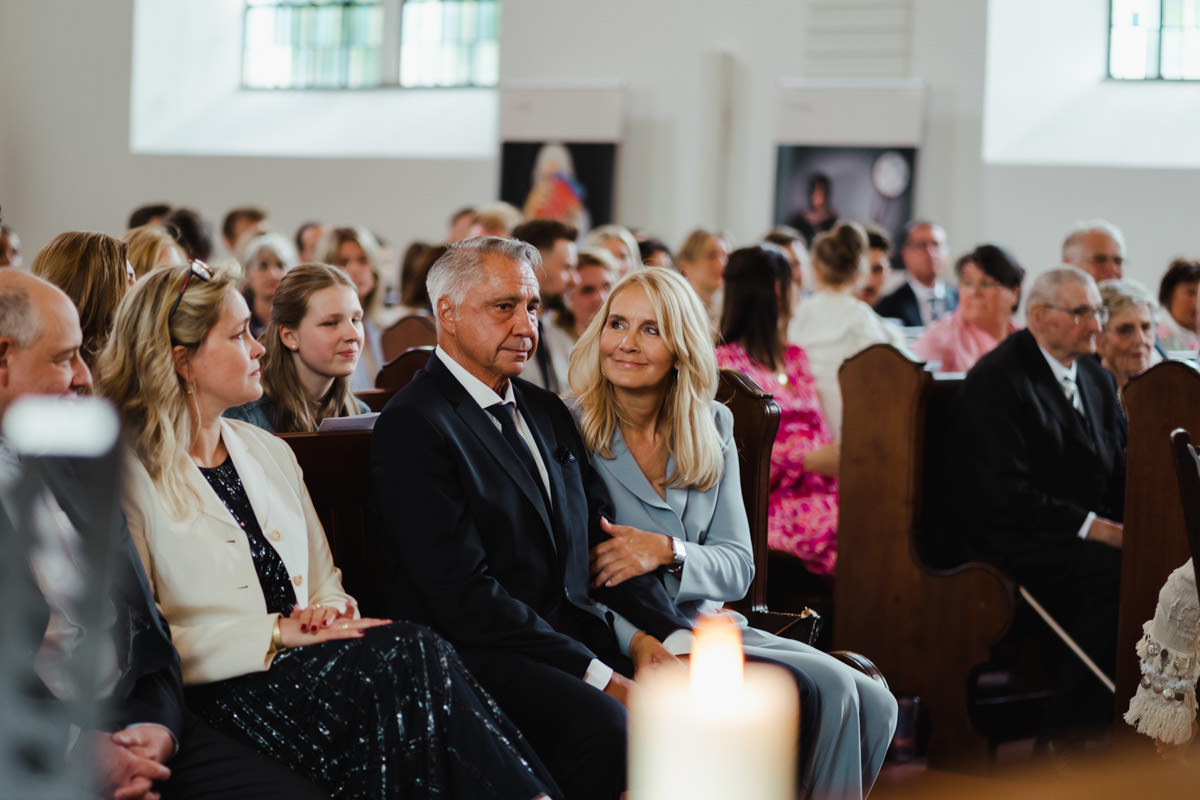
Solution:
(277, 644)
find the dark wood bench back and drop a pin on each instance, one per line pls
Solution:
(755, 422)
(925, 619)
(417, 330)
(337, 472)
(1165, 397)
(396, 373)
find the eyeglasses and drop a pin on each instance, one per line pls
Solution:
(986, 283)
(197, 269)
(1085, 313)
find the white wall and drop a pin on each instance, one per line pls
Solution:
(65, 160)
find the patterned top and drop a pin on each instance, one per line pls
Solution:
(272, 572)
(803, 505)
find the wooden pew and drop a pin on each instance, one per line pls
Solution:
(396, 373)
(1165, 397)
(337, 472)
(926, 623)
(416, 330)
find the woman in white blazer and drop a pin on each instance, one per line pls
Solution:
(273, 650)
(645, 377)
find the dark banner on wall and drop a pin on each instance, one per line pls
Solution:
(815, 186)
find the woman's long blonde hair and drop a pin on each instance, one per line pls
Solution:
(136, 369)
(293, 411)
(692, 435)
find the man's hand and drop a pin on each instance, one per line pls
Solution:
(629, 553)
(619, 688)
(147, 741)
(1106, 531)
(121, 773)
(648, 652)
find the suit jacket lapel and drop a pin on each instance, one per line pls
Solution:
(667, 512)
(481, 424)
(1053, 397)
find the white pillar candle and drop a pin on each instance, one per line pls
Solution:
(724, 731)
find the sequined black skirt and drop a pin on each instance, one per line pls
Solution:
(393, 714)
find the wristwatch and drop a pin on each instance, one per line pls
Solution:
(678, 556)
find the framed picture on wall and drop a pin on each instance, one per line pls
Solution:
(816, 186)
(572, 182)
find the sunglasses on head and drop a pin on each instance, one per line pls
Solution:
(198, 269)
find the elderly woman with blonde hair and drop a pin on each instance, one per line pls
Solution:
(272, 649)
(645, 377)
(1126, 341)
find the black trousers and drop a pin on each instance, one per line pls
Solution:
(213, 766)
(1079, 584)
(578, 731)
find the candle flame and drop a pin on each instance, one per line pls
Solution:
(717, 660)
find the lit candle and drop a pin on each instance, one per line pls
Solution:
(728, 730)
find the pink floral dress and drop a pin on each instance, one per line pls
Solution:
(803, 505)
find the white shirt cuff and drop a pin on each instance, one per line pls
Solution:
(1087, 524)
(679, 643)
(598, 674)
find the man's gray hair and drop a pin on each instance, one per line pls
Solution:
(18, 316)
(1122, 294)
(456, 271)
(1047, 289)
(1082, 229)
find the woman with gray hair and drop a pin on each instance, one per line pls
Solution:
(1126, 342)
(265, 259)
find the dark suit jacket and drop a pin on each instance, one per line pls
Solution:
(149, 688)
(469, 546)
(902, 305)
(1036, 467)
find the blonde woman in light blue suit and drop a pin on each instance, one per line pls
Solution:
(645, 379)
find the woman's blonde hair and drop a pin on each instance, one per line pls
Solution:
(146, 246)
(136, 369)
(839, 256)
(293, 411)
(90, 268)
(692, 435)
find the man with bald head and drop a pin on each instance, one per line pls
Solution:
(148, 744)
(1096, 247)
(1045, 457)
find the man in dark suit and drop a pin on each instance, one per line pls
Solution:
(145, 724)
(487, 512)
(1046, 459)
(924, 296)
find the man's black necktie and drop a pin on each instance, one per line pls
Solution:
(505, 414)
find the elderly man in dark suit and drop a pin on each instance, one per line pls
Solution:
(487, 511)
(924, 296)
(1046, 458)
(146, 743)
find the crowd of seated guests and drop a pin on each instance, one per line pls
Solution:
(319, 307)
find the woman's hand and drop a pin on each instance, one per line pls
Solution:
(824, 459)
(317, 624)
(629, 553)
(648, 652)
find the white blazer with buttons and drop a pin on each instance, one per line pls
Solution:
(200, 567)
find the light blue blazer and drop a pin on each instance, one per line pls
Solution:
(720, 561)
